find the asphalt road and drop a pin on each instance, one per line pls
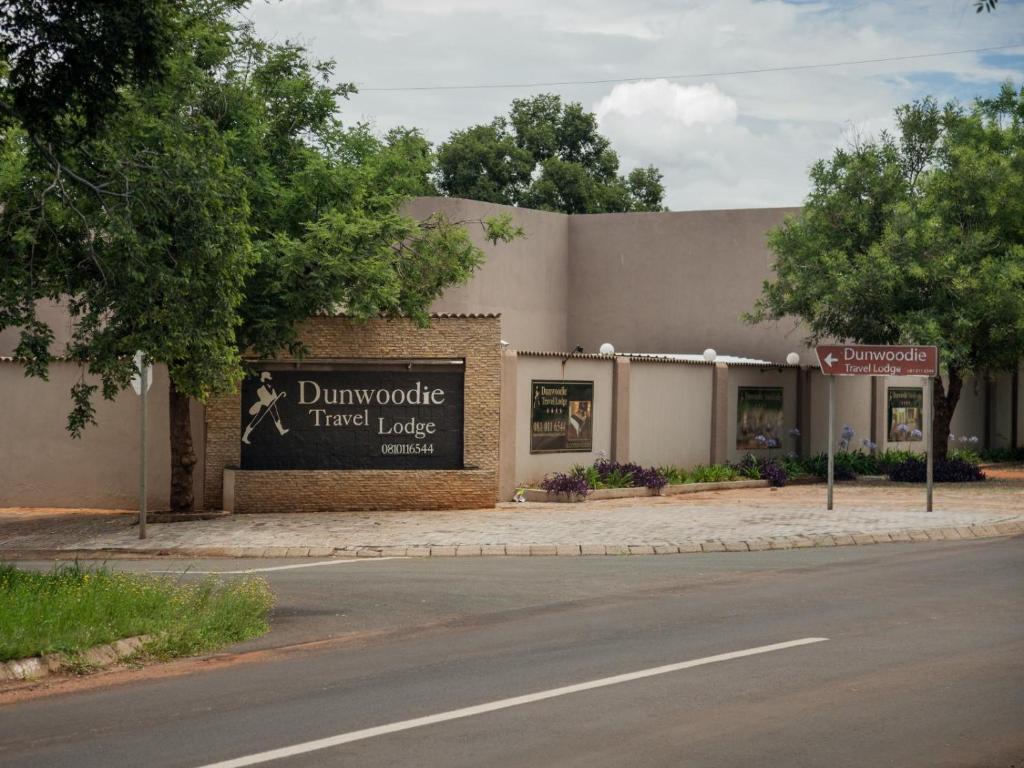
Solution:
(923, 665)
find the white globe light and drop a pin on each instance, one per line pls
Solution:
(710, 355)
(607, 349)
(793, 358)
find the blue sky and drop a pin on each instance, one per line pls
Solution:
(722, 142)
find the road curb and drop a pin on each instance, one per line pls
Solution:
(100, 656)
(559, 549)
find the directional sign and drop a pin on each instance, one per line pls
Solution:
(878, 360)
(137, 378)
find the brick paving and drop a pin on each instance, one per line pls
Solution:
(738, 520)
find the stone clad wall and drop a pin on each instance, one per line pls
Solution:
(475, 339)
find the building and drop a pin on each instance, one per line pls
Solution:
(660, 287)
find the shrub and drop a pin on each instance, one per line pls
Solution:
(773, 472)
(715, 473)
(570, 484)
(762, 468)
(673, 475)
(914, 470)
(818, 466)
(612, 474)
(894, 457)
(1002, 454)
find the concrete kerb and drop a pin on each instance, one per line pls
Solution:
(560, 549)
(35, 667)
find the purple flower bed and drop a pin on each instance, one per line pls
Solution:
(603, 474)
(571, 484)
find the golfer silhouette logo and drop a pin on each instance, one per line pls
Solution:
(266, 402)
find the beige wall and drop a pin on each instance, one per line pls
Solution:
(853, 407)
(1001, 410)
(969, 417)
(531, 468)
(525, 281)
(674, 282)
(42, 466)
(669, 413)
(751, 376)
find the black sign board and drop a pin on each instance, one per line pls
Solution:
(352, 419)
(562, 416)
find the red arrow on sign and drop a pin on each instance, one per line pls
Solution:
(878, 360)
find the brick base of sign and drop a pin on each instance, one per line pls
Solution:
(256, 491)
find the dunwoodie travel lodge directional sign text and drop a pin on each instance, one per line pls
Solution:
(878, 360)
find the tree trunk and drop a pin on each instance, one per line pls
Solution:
(944, 406)
(183, 457)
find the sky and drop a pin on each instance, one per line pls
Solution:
(721, 141)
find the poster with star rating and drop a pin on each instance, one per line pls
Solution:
(562, 417)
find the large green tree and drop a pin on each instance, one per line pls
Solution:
(916, 237)
(226, 204)
(548, 155)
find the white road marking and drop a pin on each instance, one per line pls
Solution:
(515, 701)
(289, 567)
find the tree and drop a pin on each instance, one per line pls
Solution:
(228, 204)
(917, 238)
(67, 61)
(546, 155)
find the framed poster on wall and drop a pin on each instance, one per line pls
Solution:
(561, 416)
(906, 414)
(758, 413)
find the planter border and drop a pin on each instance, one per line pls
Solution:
(539, 495)
(35, 667)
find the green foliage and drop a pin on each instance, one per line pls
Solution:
(547, 155)
(1002, 454)
(916, 237)
(68, 61)
(714, 473)
(71, 609)
(674, 475)
(219, 208)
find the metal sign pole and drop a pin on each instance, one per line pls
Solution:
(831, 435)
(142, 451)
(930, 445)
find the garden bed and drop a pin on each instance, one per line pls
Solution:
(540, 495)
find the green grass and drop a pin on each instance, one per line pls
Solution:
(70, 609)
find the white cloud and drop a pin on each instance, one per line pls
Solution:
(744, 140)
(660, 100)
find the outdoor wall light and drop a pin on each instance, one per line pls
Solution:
(710, 355)
(607, 349)
(793, 358)
(577, 350)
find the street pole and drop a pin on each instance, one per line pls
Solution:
(930, 445)
(142, 452)
(831, 436)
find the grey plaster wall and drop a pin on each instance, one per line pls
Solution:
(526, 281)
(674, 282)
